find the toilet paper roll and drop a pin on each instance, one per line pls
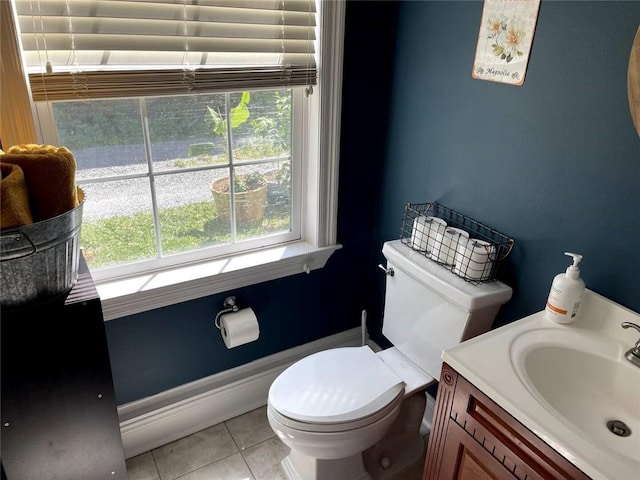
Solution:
(418, 237)
(424, 232)
(239, 327)
(474, 259)
(447, 243)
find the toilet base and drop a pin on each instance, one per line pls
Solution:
(403, 445)
(297, 466)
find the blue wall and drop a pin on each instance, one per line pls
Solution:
(554, 164)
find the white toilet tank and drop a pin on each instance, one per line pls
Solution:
(429, 309)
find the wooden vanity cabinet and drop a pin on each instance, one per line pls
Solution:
(474, 438)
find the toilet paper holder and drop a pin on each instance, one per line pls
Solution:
(229, 305)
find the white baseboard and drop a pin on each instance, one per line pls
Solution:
(157, 420)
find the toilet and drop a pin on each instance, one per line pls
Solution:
(353, 413)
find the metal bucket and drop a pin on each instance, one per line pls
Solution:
(39, 262)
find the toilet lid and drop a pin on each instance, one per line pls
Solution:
(334, 386)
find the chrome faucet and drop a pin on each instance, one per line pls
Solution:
(633, 355)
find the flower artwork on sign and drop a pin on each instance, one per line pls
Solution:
(504, 41)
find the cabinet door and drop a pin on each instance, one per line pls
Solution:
(518, 449)
(465, 459)
(473, 438)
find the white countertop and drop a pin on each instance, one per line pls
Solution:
(485, 361)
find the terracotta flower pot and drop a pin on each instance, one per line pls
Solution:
(249, 205)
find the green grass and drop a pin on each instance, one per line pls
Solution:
(124, 239)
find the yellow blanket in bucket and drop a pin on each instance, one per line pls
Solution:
(14, 198)
(49, 173)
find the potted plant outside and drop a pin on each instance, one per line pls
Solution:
(250, 196)
(250, 190)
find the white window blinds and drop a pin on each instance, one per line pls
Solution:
(119, 48)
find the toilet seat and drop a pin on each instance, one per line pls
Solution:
(389, 410)
(348, 386)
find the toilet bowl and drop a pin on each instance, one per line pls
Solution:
(352, 413)
(345, 401)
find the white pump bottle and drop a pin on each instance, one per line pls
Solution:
(565, 296)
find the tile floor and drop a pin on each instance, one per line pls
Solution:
(242, 448)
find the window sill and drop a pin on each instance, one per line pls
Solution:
(141, 293)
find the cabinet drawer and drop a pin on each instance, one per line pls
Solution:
(520, 451)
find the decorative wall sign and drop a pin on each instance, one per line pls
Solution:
(504, 41)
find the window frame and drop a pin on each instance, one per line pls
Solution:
(171, 284)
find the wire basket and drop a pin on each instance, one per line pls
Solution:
(458, 243)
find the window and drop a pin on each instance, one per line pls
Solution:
(192, 193)
(158, 172)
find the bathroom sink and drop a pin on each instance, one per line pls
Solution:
(583, 380)
(566, 383)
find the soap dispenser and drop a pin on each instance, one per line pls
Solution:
(565, 296)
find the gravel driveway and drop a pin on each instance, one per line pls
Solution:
(132, 195)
